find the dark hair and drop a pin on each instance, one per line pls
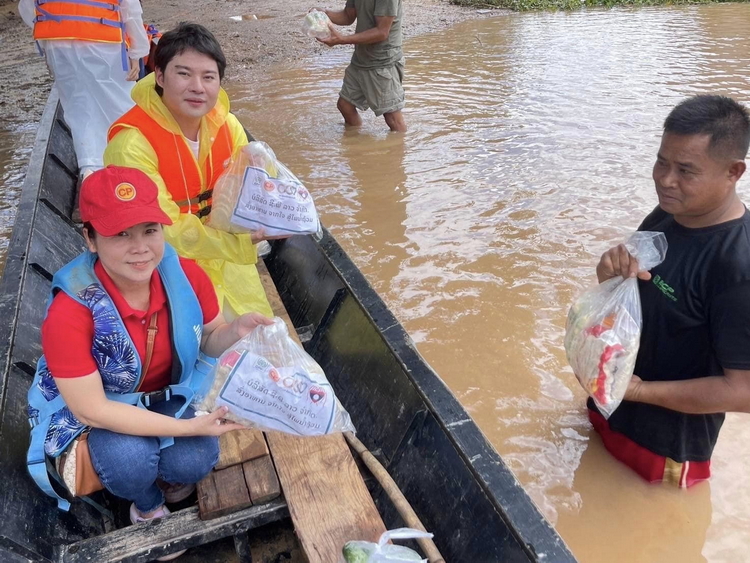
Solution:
(89, 228)
(724, 119)
(188, 36)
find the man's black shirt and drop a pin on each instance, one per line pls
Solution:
(696, 321)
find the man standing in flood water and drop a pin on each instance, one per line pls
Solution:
(693, 364)
(374, 78)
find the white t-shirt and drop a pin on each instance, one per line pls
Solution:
(195, 146)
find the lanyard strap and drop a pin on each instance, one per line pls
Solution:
(151, 337)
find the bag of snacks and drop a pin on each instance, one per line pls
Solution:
(315, 24)
(268, 381)
(384, 552)
(258, 192)
(603, 329)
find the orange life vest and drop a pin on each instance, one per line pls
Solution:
(177, 164)
(153, 35)
(86, 20)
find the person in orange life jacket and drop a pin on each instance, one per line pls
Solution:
(134, 271)
(693, 363)
(92, 51)
(182, 135)
(147, 63)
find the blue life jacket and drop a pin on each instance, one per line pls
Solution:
(53, 426)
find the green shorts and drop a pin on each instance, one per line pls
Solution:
(379, 89)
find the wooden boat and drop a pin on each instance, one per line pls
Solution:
(454, 479)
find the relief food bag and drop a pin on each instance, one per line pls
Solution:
(384, 552)
(268, 381)
(258, 192)
(603, 329)
(316, 24)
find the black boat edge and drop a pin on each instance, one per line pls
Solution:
(453, 477)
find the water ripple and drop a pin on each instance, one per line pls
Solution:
(530, 148)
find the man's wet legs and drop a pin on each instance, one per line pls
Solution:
(350, 113)
(395, 120)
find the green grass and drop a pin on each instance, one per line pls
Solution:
(527, 5)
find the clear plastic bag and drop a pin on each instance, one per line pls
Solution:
(258, 192)
(603, 330)
(268, 381)
(315, 24)
(383, 552)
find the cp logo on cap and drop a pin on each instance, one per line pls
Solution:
(125, 191)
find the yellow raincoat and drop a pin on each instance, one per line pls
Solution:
(228, 259)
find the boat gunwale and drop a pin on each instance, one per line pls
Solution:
(481, 458)
(14, 272)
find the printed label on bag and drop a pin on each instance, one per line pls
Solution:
(284, 206)
(285, 399)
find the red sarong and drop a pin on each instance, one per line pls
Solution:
(652, 467)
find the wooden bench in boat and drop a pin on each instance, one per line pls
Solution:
(326, 495)
(245, 476)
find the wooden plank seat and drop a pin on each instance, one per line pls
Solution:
(244, 476)
(183, 529)
(326, 496)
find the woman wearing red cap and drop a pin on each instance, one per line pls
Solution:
(125, 328)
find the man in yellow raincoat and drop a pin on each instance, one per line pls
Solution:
(181, 134)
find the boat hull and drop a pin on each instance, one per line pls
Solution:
(455, 480)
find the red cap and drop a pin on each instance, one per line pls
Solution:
(116, 198)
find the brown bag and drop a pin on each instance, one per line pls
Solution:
(81, 478)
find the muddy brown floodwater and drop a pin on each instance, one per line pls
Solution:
(530, 148)
(531, 142)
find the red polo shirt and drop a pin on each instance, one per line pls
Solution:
(68, 329)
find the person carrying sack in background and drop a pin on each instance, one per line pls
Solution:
(122, 341)
(374, 78)
(93, 51)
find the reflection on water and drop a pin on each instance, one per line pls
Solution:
(531, 142)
